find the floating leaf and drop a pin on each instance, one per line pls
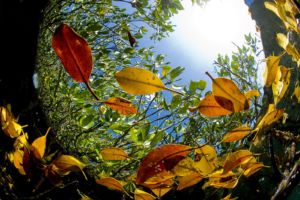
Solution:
(160, 159)
(67, 163)
(111, 183)
(18, 161)
(281, 83)
(228, 197)
(209, 107)
(271, 69)
(139, 81)
(237, 158)
(252, 93)
(184, 167)
(74, 53)
(123, 106)
(205, 159)
(252, 169)
(131, 39)
(161, 190)
(142, 195)
(289, 48)
(225, 89)
(189, 180)
(237, 134)
(272, 115)
(220, 179)
(113, 153)
(38, 146)
(297, 93)
(8, 123)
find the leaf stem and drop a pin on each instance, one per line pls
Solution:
(87, 83)
(171, 90)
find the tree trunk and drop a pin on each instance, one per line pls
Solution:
(269, 25)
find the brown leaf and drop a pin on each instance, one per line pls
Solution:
(237, 134)
(74, 53)
(210, 107)
(223, 88)
(111, 183)
(131, 39)
(160, 159)
(123, 106)
(113, 153)
(237, 158)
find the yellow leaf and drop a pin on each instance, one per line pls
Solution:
(228, 197)
(113, 153)
(236, 158)
(123, 106)
(237, 134)
(252, 93)
(205, 159)
(142, 195)
(209, 107)
(139, 81)
(8, 123)
(281, 83)
(271, 69)
(111, 183)
(289, 48)
(219, 179)
(18, 161)
(254, 167)
(161, 191)
(185, 167)
(162, 178)
(297, 93)
(21, 142)
(67, 163)
(272, 115)
(226, 89)
(38, 146)
(189, 180)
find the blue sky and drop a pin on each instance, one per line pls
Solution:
(201, 33)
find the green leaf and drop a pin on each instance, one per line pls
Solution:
(176, 72)
(157, 138)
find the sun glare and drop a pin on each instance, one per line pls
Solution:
(203, 32)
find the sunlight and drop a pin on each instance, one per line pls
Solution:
(202, 33)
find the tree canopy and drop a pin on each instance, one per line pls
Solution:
(120, 118)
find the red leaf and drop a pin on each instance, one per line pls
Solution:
(161, 159)
(131, 39)
(74, 53)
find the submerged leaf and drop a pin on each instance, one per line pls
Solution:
(139, 81)
(74, 53)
